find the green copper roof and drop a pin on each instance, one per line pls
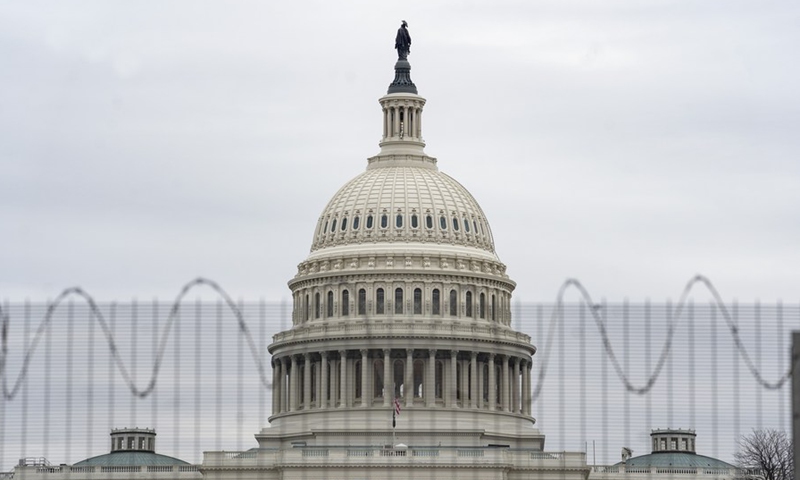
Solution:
(129, 459)
(675, 459)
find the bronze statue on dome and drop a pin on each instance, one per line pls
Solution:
(402, 41)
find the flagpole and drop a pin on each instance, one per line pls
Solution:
(395, 413)
(394, 420)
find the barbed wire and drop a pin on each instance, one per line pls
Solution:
(557, 315)
(9, 394)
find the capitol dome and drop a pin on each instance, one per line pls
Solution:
(402, 300)
(408, 202)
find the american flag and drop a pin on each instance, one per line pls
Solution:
(395, 412)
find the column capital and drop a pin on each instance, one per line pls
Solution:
(387, 351)
(454, 353)
(432, 352)
(491, 356)
(473, 354)
(324, 354)
(364, 351)
(343, 353)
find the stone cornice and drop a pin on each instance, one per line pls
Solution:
(395, 276)
(396, 263)
(476, 332)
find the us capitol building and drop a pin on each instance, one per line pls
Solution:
(401, 306)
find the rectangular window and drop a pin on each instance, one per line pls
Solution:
(362, 302)
(398, 300)
(379, 300)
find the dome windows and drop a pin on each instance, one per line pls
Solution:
(398, 300)
(435, 302)
(384, 221)
(443, 223)
(345, 303)
(379, 301)
(399, 220)
(356, 222)
(414, 221)
(369, 221)
(428, 222)
(466, 225)
(344, 224)
(362, 302)
(333, 225)
(455, 224)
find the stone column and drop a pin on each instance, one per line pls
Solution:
(473, 373)
(284, 384)
(526, 392)
(404, 128)
(412, 121)
(293, 385)
(504, 384)
(307, 382)
(323, 391)
(276, 386)
(365, 396)
(343, 389)
(317, 384)
(333, 402)
(481, 381)
(408, 390)
(396, 122)
(388, 380)
(430, 380)
(453, 378)
(515, 390)
(492, 383)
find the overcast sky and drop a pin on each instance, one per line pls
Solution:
(628, 144)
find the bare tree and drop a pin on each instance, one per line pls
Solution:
(769, 452)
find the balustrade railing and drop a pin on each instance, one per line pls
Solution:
(351, 455)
